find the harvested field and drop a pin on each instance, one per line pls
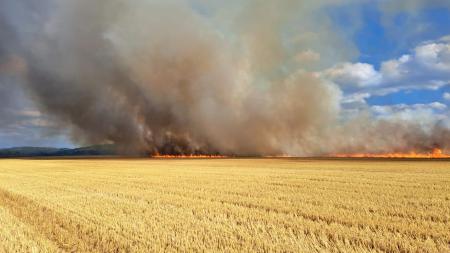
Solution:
(264, 205)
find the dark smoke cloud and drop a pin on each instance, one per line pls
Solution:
(155, 76)
(10, 65)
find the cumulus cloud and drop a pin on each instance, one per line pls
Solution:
(356, 98)
(446, 96)
(426, 67)
(390, 110)
(429, 61)
(354, 75)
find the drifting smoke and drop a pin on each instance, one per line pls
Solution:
(157, 77)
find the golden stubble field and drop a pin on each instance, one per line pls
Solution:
(224, 205)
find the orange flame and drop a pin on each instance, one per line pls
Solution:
(159, 156)
(435, 154)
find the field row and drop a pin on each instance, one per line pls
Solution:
(283, 205)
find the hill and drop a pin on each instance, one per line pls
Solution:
(96, 150)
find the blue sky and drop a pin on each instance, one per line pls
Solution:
(381, 37)
(377, 42)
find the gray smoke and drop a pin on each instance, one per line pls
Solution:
(157, 76)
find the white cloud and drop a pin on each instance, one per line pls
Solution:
(437, 106)
(445, 39)
(426, 67)
(388, 109)
(394, 69)
(29, 113)
(427, 63)
(435, 56)
(356, 98)
(354, 75)
(446, 96)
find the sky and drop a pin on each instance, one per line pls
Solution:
(391, 58)
(403, 59)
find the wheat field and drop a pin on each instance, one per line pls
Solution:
(224, 205)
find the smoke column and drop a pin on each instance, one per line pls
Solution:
(158, 77)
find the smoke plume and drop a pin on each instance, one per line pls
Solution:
(160, 77)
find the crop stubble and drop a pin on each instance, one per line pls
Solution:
(284, 205)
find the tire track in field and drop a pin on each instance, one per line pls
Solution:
(68, 234)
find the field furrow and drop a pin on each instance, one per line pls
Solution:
(264, 205)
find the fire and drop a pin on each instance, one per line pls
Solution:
(159, 156)
(435, 154)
